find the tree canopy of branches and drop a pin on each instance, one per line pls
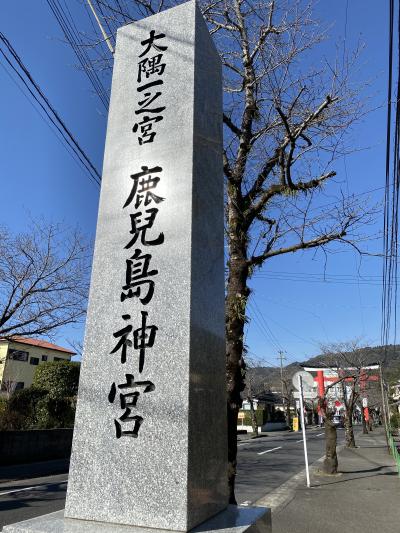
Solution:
(43, 280)
(349, 361)
(285, 119)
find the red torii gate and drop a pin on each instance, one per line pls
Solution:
(320, 379)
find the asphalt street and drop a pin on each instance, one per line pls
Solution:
(267, 462)
(20, 500)
(263, 465)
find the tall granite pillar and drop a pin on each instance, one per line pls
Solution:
(149, 444)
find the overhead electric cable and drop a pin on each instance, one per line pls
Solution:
(72, 36)
(15, 62)
(37, 108)
(270, 339)
(392, 190)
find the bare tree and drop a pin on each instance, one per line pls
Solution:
(250, 399)
(349, 361)
(330, 464)
(287, 398)
(253, 387)
(285, 124)
(43, 280)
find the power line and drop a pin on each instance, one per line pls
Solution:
(16, 64)
(263, 326)
(43, 117)
(392, 191)
(323, 279)
(262, 329)
(316, 274)
(71, 34)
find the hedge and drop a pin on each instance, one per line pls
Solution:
(261, 417)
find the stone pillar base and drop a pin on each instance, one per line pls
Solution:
(232, 520)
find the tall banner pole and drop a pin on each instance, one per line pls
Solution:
(303, 428)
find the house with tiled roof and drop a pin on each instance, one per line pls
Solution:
(19, 358)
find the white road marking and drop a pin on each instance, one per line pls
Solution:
(319, 434)
(32, 488)
(267, 451)
(297, 441)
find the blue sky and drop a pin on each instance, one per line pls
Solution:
(291, 309)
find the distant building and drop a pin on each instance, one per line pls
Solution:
(19, 358)
(268, 401)
(395, 391)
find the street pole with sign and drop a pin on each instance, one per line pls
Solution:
(303, 427)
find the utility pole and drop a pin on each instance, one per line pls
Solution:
(282, 358)
(385, 413)
(106, 37)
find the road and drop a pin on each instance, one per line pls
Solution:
(264, 464)
(20, 500)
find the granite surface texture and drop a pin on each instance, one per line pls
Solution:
(173, 475)
(231, 520)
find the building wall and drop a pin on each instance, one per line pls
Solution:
(23, 371)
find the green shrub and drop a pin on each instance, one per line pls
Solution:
(55, 413)
(395, 420)
(23, 403)
(261, 417)
(59, 378)
(279, 416)
(49, 403)
(3, 405)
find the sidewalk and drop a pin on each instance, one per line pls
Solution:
(364, 497)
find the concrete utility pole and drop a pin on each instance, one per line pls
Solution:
(385, 413)
(282, 358)
(106, 37)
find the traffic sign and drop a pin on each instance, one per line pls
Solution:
(307, 379)
(307, 394)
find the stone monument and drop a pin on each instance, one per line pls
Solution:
(150, 443)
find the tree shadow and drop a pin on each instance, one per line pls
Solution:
(356, 477)
(376, 469)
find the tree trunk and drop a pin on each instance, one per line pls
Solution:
(330, 463)
(288, 415)
(364, 422)
(235, 317)
(254, 424)
(349, 433)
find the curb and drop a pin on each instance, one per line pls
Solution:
(277, 499)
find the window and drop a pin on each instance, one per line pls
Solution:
(34, 360)
(44, 357)
(11, 386)
(17, 355)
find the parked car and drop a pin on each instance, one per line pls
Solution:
(338, 421)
